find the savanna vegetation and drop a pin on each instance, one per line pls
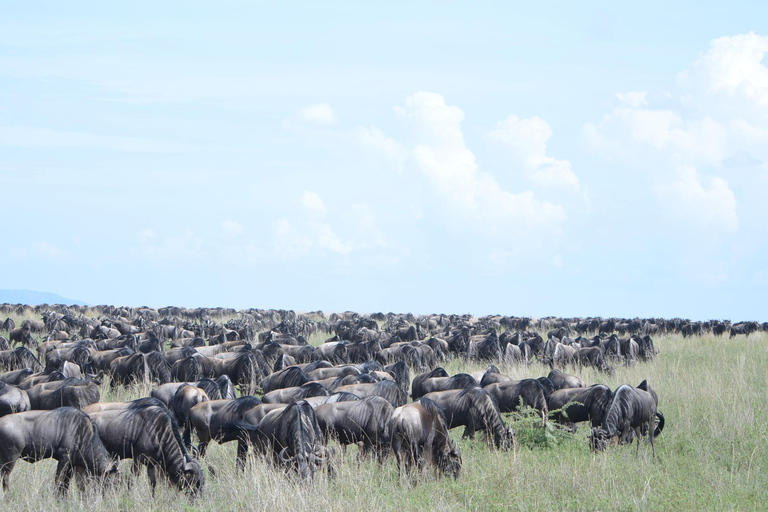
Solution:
(712, 455)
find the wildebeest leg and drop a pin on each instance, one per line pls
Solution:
(5, 471)
(469, 432)
(651, 429)
(202, 446)
(639, 436)
(63, 476)
(152, 475)
(242, 453)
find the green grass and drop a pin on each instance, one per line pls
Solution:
(711, 456)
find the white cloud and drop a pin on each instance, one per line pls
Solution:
(732, 66)
(232, 229)
(711, 207)
(634, 99)
(47, 250)
(313, 203)
(321, 114)
(475, 198)
(296, 237)
(526, 139)
(366, 223)
(696, 142)
(374, 145)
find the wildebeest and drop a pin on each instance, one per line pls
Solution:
(185, 398)
(287, 378)
(71, 392)
(474, 409)
(139, 367)
(438, 380)
(207, 418)
(242, 368)
(294, 394)
(13, 399)
(386, 389)
(508, 395)
(19, 358)
(420, 434)
(146, 432)
(631, 409)
(65, 434)
(22, 335)
(593, 356)
(562, 380)
(575, 405)
(366, 421)
(290, 437)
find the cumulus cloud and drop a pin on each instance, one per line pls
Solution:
(711, 207)
(474, 197)
(732, 66)
(295, 237)
(321, 114)
(313, 203)
(692, 141)
(526, 140)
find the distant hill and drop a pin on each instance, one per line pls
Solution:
(33, 298)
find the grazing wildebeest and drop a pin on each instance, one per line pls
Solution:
(386, 389)
(64, 393)
(186, 397)
(15, 377)
(287, 378)
(19, 358)
(294, 394)
(474, 409)
(632, 409)
(207, 418)
(146, 432)
(508, 395)
(593, 356)
(101, 359)
(65, 434)
(139, 367)
(22, 335)
(420, 434)
(290, 437)
(365, 421)
(575, 405)
(243, 369)
(13, 399)
(562, 380)
(438, 380)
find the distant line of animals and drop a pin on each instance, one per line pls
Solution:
(353, 388)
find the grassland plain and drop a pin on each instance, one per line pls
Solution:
(711, 456)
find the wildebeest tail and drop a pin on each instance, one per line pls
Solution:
(400, 372)
(237, 431)
(158, 367)
(660, 426)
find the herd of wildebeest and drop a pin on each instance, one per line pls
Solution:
(353, 388)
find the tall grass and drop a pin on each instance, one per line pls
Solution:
(712, 455)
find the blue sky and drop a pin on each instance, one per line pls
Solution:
(589, 159)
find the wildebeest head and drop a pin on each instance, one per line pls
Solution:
(192, 480)
(449, 460)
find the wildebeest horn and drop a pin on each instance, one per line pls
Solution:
(282, 455)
